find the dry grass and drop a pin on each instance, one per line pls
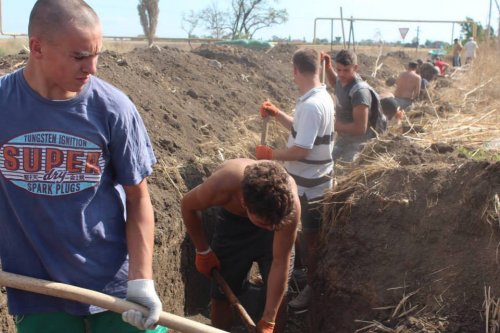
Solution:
(405, 317)
(491, 308)
(12, 45)
(170, 168)
(492, 211)
(373, 164)
(473, 100)
(464, 113)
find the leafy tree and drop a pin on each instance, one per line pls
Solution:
(190, 22)
(467, 29)
(414, 42)
(322, 41)
(244, 18)
(148, 13)
(249, 16)
(215, 21)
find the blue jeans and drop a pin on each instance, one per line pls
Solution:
(347, 149)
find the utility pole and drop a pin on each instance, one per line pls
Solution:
(1, 26)
(342, 24)
(498, 31)
(418, 39)
(489, 24)
(3, 33)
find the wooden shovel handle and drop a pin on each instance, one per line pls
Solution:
(104, 301)
(263, 133)
(233, 300)
(323, 71)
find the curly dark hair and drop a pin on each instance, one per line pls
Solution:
(267, 192)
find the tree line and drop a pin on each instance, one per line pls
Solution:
(243, 18)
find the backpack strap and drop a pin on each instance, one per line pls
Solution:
(376, 118)
(359, 85)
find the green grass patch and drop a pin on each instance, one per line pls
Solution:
(480, 154)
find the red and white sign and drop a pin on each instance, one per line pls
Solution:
(403, 32)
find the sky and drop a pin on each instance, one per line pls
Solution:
(120, 18)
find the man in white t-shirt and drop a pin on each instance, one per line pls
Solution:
(470, 48)
(307, 155)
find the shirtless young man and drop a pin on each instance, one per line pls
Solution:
(258, 222)
(408, 86)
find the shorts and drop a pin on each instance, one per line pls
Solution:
(60, 322)
(311, 213)
(404, 103)
(347, 149)
(238, 243)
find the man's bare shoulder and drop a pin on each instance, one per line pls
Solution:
(293, 186)
(233, 167)
(295, 193)
(225, 181)
(230, 173)
(414, 74)
(406, 74)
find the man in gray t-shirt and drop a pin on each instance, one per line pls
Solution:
(354, 99)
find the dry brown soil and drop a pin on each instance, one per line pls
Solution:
(420, 227)
(411, 247)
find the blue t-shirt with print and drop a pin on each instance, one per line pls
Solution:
(62, 164)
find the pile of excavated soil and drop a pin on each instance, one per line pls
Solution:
(411, 244)
(201, 107)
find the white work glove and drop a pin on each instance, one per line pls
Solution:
(143, 292)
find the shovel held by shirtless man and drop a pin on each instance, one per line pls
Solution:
(258, 220)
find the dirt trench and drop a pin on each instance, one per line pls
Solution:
(412, 247)
(415, 227)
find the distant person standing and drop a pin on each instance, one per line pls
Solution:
(408, 86)
(457, 50)
(471, 48)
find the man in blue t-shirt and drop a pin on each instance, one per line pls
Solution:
(358, 113)
(74, 202)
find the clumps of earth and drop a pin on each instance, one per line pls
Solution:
(410, 242)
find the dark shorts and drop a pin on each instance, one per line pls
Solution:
(404, 103)
(424, 84)
(347, 149)
(238, 243)
(311, 213)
